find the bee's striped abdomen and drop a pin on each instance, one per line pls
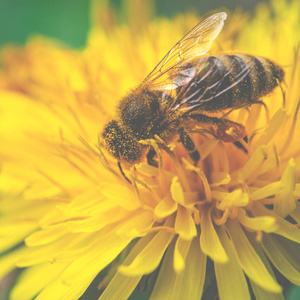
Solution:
(234, 81)
(264, 75)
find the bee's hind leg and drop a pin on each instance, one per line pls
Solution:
(240, 145)
(226, 130)
(189, 145)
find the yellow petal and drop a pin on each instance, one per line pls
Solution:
(251, 168)
(79, 245)
(45, 236)
(14, 234)
(41, 275)
(80, 273)
(45, 253)
(186, 285)
(249, 259)
(120, 195)
(147, 169)
(285, 228)
(165, 207)
(280, 254)
(262, 294)
(272, 128)
(284, 201)
(97, 222)
(228, 200)
(177, 191)
(137, 225)
(296, 213)
(121, 286)
(219, 178)
(266, 224)
(8, 262)
(180, 252)
(153, 171)
(259, 292)
(149, 258)
(52, 290)
(297, 190)
(91, 200)
(230, 277)
(184, 223)
(209, 240)
(266, 191)
(207, 147)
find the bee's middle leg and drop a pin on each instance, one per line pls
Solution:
(151, 157)
(189, 145)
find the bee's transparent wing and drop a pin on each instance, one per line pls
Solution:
(194, 44)
(215, 83)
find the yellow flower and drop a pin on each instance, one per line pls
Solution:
(67, 214)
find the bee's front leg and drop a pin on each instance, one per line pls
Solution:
(150, 157)
(189, 145)
(226, 130)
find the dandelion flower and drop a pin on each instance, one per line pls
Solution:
(68, 215)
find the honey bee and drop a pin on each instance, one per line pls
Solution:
(184, 91)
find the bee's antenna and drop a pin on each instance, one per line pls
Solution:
(122, 172)
(282, 91)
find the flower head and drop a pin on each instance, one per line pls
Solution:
(69, 214)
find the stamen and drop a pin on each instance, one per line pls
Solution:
(133, 182)
(276, 155)
(146, 186)
(161, 228)
(258, 236)
(225, 161)
(268, 118)
(181, 174)
(223, 219)
(153, 143)
(207, 189)
(254, 133)
(233, 213)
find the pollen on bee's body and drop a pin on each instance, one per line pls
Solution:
(120, 142)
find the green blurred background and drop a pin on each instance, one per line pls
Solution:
(68, 20)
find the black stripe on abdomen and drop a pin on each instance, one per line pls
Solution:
(259, 78)
(217, 95)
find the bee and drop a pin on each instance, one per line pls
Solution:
(184, 90)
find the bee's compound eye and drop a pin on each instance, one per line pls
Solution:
(121, 143)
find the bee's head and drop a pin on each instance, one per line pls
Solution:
(121, 143)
